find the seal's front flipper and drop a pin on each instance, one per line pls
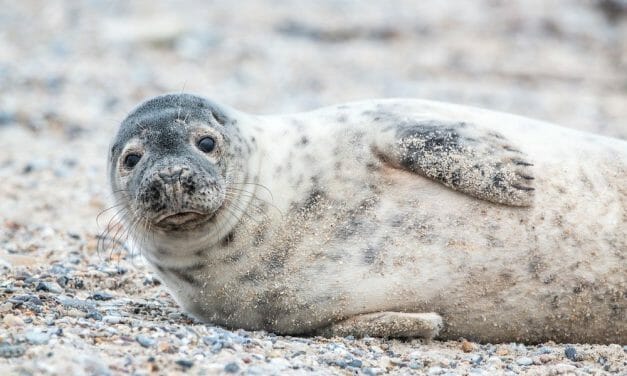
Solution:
(387, 324)
(465, 157)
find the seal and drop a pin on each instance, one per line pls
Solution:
(393, 218)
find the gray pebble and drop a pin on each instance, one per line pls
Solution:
(11, 351)
(47, 287)
(37, 337)
(543, 350)
(68, 302)
(524, 361)
(59, 269)
(185, 363)
(101, 296)
(571, 353)
(355, 363)
(112, 319)
(231, 367)
(339, 362)
(145, 341)
(371, 371)
(94, 315)
(26, 298)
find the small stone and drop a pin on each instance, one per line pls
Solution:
(524, 361)
(372, 371)
(544, 358)
(6, 307)
(36, 337)
(11, 351)
(355, 363)
(467, 346)
(231, 368)
(112, 319)
(185, 363)
(26, 299)
(571, 353)
(165, 347)
(494, 360)
(435, 370)
(502, 351)
(63, 280)
(68, 302)
(94, 315)
(340, 363)
(476, 359)
(47, 287)
(145, 341)
(101, 296)
(11, 320)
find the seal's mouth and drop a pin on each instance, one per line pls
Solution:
(184, 218)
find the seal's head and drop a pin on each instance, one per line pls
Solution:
(172, 160)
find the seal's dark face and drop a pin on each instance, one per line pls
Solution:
(170, 162)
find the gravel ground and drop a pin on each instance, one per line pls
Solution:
(69, 71)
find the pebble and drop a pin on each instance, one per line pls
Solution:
(112, 319)
(68, 302)
(476, 359)
(11, 351)
(435, 370)
(11, 320)
(355, 363)
(37, 337)
(47, 287)
(185, 363)
(571, 353)
(101, 296)
(231, 367)
(94, 315)
(524, 361)
(467, 346)
(145, 341)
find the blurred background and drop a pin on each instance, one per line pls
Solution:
(71, 70)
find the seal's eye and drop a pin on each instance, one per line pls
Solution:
(206, 144)
(131, 160)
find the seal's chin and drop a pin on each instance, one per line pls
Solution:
(183, 219)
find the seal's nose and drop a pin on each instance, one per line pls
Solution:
(171, 174)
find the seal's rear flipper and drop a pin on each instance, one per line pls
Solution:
(465, 157)
(387, 324)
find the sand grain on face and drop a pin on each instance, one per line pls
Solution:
(70, 72)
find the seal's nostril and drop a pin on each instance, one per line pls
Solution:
(170, 174)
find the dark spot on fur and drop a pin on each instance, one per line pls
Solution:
(259, 237)
(303, 141)
(370, 255)
(250, 276)
(498, 180)
(397, 221)
(276, 260)
(228, 239)
(314, 197)
(417, 140)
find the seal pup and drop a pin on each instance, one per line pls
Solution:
(394, 218)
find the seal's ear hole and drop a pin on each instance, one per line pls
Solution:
(206, 144)
(131, 160)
